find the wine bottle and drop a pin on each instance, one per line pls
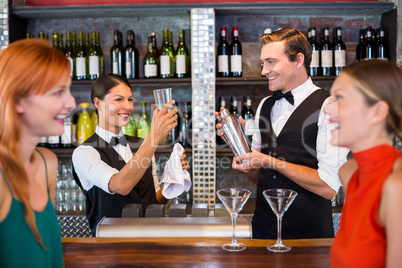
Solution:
(248, 115)
(326, 54)
(74, 42)
(315, 55)
(236, 54)
(339, 52)
(116, 54)
(144, 123)
(60, 40)
(69, 52)
(101, 56)
(129, 129)
(87, 43)
(131, 56)
(56, 40)
(221, 103)
(81, 59)
(182, 57)
(233, 106)
(166, 57)
(66, 140)
(223, 55)
(94, 59)
(53, 141)
(150, 64)
(382, 52)
(359, 47)
(84, 125)
(369, 46)
(156, 50)
(185, 126)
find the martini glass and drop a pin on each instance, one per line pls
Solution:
(279, 200)
(234, 199)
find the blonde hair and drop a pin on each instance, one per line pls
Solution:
(380, 80)
(27, 67)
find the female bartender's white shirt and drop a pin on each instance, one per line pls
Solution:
(330, 158)
(92, 171)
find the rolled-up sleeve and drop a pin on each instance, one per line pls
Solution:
(91, 170)
(330, 158)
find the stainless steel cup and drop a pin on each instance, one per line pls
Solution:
(234, 134)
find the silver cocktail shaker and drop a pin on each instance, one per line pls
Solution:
(234, 135)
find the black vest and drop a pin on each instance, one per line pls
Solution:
(309, 216)
(99, 203)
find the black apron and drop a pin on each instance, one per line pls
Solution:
(100, 204)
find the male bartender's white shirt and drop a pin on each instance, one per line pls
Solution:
(92, 171)
(330, 158)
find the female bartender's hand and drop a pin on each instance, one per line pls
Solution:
(163, 122)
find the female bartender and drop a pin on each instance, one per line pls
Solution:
(112, 168)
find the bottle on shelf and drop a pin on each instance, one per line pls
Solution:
(183, 64)
(326, 54)
(81, 59)
(369, 45)
(43, 142)
(60, 40)
(236, 54)
(55, 40)
(74, 41)
(84, 124)
(248, 115)
(116, 55)
(66, 140)
(87, 43)
(359, 47)
(53, 141)
(131, 57)
(94, 121)
(223, 55)
(382, 52)
(144, 123)
(150, 61)
(156, 50)
(185, 126)
(166, 57)
(339, 52)
(233, 106)
(130, 128)
(315, 55)
(69, 52)
(94, 59)
(101, 56)
(221, 103)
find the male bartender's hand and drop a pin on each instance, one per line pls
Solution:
(254, 160)
(219, 125)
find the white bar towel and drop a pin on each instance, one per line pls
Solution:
(175, 179)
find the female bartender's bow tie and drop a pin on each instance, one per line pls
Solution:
(277, 95)
(115, 141)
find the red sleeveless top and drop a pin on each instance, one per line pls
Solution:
(360, 241)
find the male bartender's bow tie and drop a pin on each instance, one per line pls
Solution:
(277, 95)
(115, 141)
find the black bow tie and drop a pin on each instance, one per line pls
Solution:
(115, 141)
(279, 95)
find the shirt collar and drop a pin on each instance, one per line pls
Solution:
(107, 135)
(303, 91)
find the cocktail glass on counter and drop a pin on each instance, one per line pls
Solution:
(234, 199)
(279, 200)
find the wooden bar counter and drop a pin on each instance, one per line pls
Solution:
(190, 252)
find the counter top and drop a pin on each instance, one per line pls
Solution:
(190, 252)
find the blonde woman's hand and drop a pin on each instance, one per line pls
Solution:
(163, 121)
(184, 163)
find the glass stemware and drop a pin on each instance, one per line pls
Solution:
(279, 200)
(234, 199)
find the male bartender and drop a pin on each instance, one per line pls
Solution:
(291, 143)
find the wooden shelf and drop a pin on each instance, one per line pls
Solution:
(221, 9)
